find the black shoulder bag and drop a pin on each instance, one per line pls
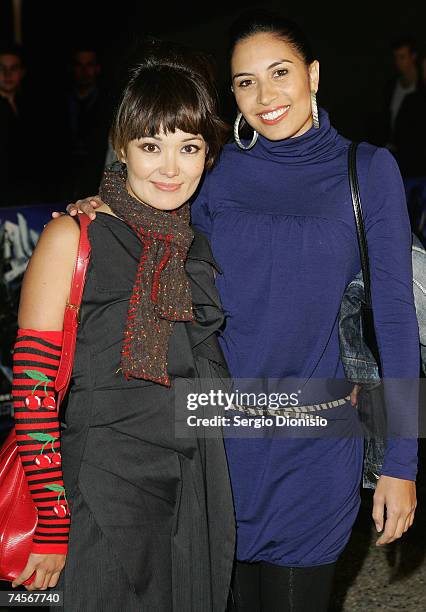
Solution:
(367, 317)
(371, 403)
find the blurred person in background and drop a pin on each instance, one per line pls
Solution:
(84, 117)
(404, 83)
(19, 137)
(12, 72)
(410, 129)
(410, 150)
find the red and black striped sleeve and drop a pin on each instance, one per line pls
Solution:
(35, 364)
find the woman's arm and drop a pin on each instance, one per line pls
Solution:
(36, 357)
(389, 244)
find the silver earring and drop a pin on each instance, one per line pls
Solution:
(314, 105)
(237, 136)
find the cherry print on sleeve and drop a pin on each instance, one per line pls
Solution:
(35, 364)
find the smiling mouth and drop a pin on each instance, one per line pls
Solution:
(274, 116)
(167, 186)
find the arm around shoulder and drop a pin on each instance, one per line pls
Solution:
(47, 280)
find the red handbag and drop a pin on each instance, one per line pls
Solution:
(18, 514)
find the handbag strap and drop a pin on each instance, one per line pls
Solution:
(359, 222)
(71, 315)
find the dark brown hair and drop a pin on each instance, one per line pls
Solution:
(171, 88)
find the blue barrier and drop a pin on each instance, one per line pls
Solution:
(20, 228)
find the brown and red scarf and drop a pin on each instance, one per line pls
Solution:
(161, 293)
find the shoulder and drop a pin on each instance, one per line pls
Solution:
(377, 163)
(414, 101)
(57, 246)
(384, 170)
(382, 188)
(59, 235)
(47, 279)
(63, 225)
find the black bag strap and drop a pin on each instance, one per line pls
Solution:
(359, 222)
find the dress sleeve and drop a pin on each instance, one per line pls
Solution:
(389, 245)
(200, 209)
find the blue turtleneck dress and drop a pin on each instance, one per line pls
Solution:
(281, 225)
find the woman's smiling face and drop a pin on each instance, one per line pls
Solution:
(272, 86)
(164, 171)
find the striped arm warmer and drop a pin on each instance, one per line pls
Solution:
(35, 365)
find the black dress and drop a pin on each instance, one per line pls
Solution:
(152, 522)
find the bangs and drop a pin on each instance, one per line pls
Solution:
(165, 97)
(173, 102)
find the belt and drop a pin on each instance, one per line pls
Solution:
(291, 411)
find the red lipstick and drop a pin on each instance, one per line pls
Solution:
(277, 119)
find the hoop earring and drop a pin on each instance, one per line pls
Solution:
(315, 115)
(237, 136)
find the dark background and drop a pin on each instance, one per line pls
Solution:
(352, 42)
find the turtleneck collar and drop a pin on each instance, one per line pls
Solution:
(313, 145)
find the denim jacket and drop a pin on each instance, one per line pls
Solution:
(358, 362)
(419, 289)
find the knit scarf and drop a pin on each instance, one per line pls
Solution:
(161, 293)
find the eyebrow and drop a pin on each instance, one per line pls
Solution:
(184, 140)
(193, 138)
(239, 74)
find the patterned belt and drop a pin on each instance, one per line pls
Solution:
(299, 410)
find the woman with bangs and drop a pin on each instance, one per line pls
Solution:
(150, 524)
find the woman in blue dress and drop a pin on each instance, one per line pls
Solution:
(277, 210)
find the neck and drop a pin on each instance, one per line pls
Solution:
(305, 127)
(308, 145)
(133, 194)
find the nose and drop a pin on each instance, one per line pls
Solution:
(266, 93)
(169, 166)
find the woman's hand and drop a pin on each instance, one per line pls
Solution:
(398, 496)
(88, 206)
(47, 568)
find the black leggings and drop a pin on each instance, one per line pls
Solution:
(263, 587)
